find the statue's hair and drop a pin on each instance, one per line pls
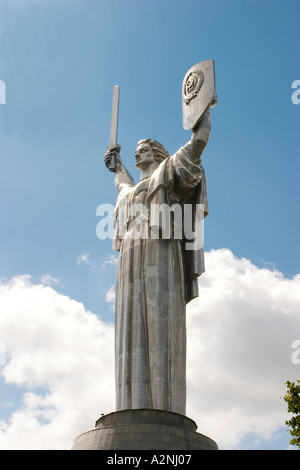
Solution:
(159, 150)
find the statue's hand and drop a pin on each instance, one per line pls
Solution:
(112, 157)
(202, 130)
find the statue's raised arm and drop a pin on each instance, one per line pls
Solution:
(122, 176)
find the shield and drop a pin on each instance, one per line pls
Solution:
(198, 92)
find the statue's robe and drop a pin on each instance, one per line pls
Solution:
(156, 278)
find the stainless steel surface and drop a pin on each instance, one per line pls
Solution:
(157, 276)
(144, 429)
(198, 92)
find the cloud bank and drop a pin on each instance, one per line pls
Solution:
(240, 334)
(52, 342)
(241, 331)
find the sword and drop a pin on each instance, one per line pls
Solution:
(114, 126)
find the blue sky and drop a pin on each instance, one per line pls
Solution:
(60, 60)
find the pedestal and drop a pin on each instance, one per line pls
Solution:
(144, 429)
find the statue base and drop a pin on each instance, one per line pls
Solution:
(144, 429)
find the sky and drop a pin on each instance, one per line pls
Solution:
(59, 62)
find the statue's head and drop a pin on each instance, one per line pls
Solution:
(149, 151)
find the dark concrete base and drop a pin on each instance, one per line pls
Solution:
(144, 430)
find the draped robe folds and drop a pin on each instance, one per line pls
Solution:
(155, 280)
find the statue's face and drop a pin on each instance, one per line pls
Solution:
(144, 156)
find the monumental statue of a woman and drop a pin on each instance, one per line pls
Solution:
(157, 275)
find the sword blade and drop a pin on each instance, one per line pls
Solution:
(115, 115)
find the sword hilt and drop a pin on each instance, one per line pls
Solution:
(112, 153)
(112, 164)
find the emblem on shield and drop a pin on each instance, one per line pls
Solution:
(198, 92)
(192, 85)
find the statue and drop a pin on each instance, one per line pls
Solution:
(158, 235)
(157, 275)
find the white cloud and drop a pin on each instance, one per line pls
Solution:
(112, 260)
(2, 352)
(85, 259)
(240, 335)
(49, 280)
(110, 295)
(97, 265)
(51, 341)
